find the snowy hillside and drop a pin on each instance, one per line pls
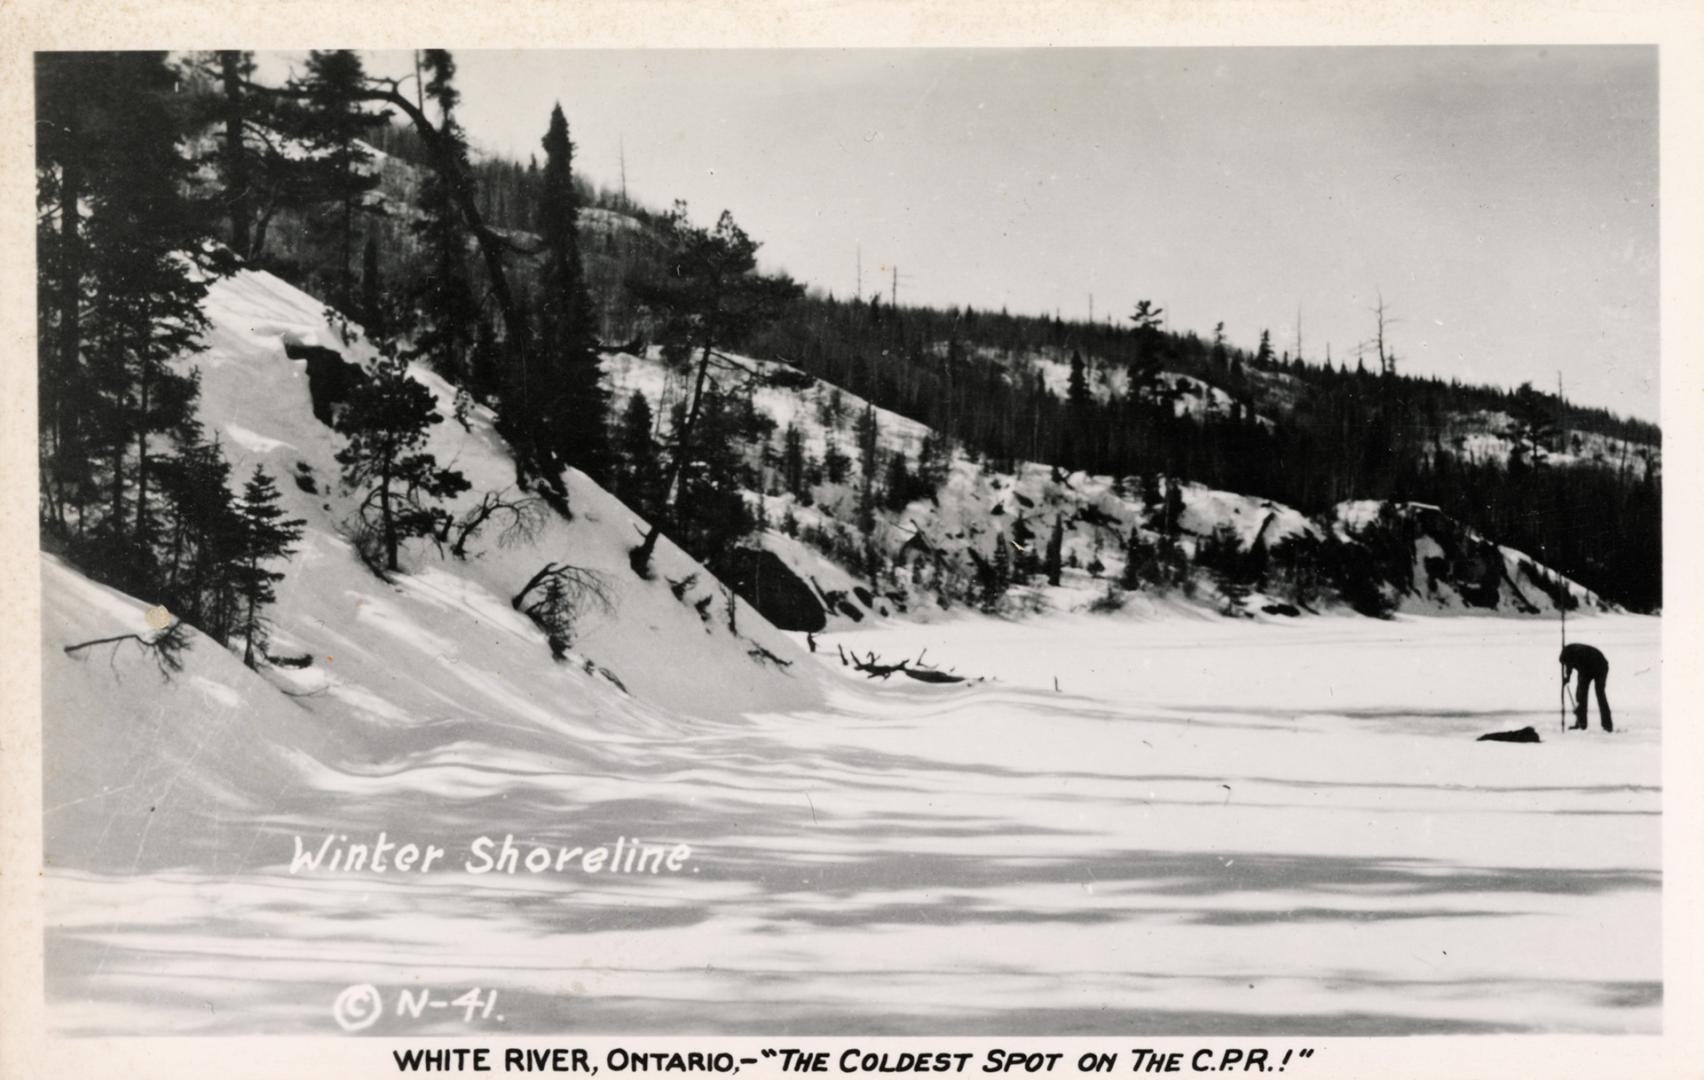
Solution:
(928, 554)
(427, 674)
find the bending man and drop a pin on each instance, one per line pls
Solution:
(1594, 671)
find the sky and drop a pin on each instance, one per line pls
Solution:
(1502, 200)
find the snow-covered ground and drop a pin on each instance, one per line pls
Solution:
(1162, 821)
(1209, 826)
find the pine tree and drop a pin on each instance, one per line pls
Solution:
(641, 472)
(372, 291)
(1138, 562)
(713, 485)
(1263, 355)
(1174, 507)
(934, 460)
(200, 543)
(574, 399)
(999, 578)
(793, 459)
(1053, 566)
(1079, 436)
(706, 293)
(259, 175)
(900, 483)
(447, 316)
(266, 535)
(835, 464)
(386, 425)
(1153, 497)
(1149, 339)
(128, 266)
(1077, 391)
(1533, 428)
(235, 166)
(484, 374)
(70, 132)
(332, 120)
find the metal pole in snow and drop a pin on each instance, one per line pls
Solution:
(1562, 605)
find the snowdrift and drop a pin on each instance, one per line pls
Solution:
(422, 692)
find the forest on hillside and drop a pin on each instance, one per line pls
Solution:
(1337, 431)
(510, 280)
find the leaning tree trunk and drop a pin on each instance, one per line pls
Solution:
(640, 558)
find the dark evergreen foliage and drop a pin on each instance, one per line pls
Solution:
(573, 401)
(386, 426)
(332, 119)
(705, 293)
(446, 314)
(264, 535)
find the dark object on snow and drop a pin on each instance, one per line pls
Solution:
(331, 379)
(865, 596)
(1288, 610)
(290, 661)
(166, 646)
(767, 584)
(873, 668)
(1525, 734)
(1593, 667)
(788, 378)
(760, 654)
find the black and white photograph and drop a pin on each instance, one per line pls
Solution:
(1124, 542)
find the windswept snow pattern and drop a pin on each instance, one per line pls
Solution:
(1165, 823)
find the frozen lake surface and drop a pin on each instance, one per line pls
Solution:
(1209, 826)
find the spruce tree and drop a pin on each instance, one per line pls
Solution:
(573, 402)
(265, 536)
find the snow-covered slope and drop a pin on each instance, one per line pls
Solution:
(428, 690)
(927, 554)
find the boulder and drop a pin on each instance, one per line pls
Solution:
(769, 585)
(330, 377)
